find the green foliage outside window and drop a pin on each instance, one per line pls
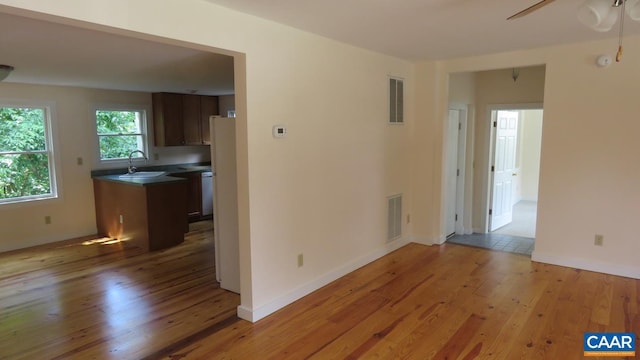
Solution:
(119, 133)
(24, 157)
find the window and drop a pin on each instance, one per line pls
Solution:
(27, 170)
(396, 101)
(120, 132)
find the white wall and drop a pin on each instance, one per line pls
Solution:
(589, 167)
(530, 145)
(321, 190)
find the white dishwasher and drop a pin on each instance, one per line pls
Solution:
(207, 193)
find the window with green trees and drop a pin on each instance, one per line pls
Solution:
(26, 154)
(120, 132)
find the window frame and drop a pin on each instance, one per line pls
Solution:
(144, 111)
(50, 137)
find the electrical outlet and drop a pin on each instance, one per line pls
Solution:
(408, 218)
(47, 220)
(79, 161)
(300, 260)
(121, 219)
(599, 240)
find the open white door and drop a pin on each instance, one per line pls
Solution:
(451, 171)
(504, 167)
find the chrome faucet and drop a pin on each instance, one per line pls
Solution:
(132, 169)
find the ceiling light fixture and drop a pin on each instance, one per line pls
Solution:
(601, 15)
(5, 70)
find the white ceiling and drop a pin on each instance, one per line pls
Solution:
(50, 53)
(432, 29)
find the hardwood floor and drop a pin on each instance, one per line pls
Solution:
(420, 302)
(102, 302)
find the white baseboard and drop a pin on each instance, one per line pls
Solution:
(465, 231)
(590, 265)
(421, 241)
(262, 311)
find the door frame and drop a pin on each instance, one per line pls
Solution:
(459, 200)
(487, 197)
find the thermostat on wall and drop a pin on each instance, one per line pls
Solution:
(279, 131)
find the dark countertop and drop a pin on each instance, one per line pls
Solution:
(114, 174)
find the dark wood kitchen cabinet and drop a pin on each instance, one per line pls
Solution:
(182, 119)
(167, 119)
(194, 193)
(151, 217)
(191, 119)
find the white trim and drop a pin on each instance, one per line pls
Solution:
(52, 149)
(421, 241)
(461, 151)
(257, 313)
(590, 265)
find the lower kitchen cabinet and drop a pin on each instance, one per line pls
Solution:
(194, 193)
(150, 216)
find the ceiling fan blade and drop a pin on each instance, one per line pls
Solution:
(530, 9)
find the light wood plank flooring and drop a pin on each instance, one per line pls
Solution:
(420, 302)
(102, 302)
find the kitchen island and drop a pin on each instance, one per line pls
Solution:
(150, 213)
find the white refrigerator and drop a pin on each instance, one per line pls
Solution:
(225, 204)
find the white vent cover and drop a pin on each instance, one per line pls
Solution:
(394, 217)
(396, 101)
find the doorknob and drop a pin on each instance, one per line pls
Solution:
(514, 174)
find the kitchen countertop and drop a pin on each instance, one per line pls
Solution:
(114, 174)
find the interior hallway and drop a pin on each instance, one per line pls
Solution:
(524, 220)
(517, 237)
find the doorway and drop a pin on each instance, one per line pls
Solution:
(516, 136)
(455, 169)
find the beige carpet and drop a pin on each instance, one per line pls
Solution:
(524, 220)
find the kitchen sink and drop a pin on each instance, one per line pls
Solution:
(143, 174)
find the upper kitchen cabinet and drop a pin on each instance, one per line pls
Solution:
(182, 119)
(167, 119)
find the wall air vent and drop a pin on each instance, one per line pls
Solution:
(396, 101)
